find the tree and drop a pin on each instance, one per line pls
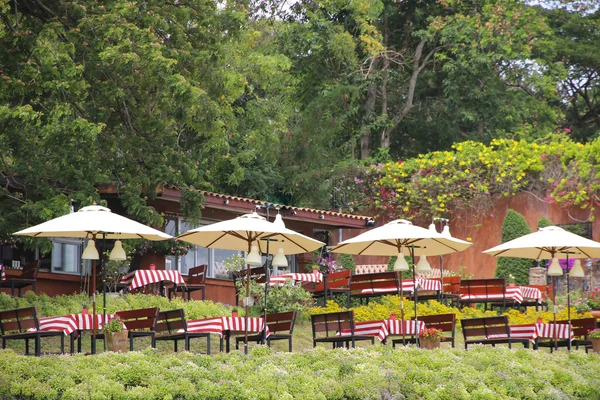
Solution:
(514, 226)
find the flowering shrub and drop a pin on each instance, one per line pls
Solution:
(468, 178)
(327, 265)
(431, 333)
(595, 334)
(592, 298)
(170, 247)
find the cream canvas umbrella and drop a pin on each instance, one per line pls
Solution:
(89, 222)
(549, 243)
(243, 233)
(396, 236)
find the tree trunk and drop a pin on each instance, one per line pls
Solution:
(365, 139)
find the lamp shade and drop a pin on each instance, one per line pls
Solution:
(432, 228)
(280, 260)
(446, 232)
(401, 264)
(577, 270)
(423, 265)
(555, 268)
(90, 252)
(117, 252)
(253, 257)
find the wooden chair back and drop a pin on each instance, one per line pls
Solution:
(19, 320)
(328, 325)
(30, 270)
(451, 285)
(377, 280)
(170, 321)
(485, 327)
(581, 327)
(197, 275)
(281, 322)
(443, 322)
(482, 287)
(139, 320)
(337, 280)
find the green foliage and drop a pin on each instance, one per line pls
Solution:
(514, 226)
(322, 373)
(287, 297)
(347, 261)
(544, 222)
(113, 326)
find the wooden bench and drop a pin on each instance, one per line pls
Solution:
(489, 330)
(196, 281)
(326, 328)
(258, 274)
(171, 325)
(451, 289)
(547, 293)
(281, 327)
(580, 327)
(484, 291)
(16, 325)
(377, 284)
(338, 282)
(139, 323)
(27, 278)
(444, 322)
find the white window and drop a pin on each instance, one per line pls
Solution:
(66, 256)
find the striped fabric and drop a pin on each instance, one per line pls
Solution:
(531, 293)
(72, 322)
(2, 273)
(560, 331)
(143, 277)
(383, 328)
(510, 294)
(407, 286)
(221, 324)
(534, 331)
(280, 280)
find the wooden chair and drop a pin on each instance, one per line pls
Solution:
(139, 323)
(451, 289)
(171, 325)
(338, 282)
(489, 330)
(16, 325)
(259, 274)
(376, 284)
(196, 281)
(444, 322)
(27, 278)
(580, 327)
(281, 327)
(336, 328)
(484, 291)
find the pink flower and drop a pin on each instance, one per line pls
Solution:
(567, 130)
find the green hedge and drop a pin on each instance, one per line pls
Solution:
(514, 226)
(68, 304)
(370, 373)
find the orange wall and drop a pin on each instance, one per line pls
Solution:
(487, 232)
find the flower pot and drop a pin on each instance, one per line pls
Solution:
(511, 285)
(429, 344)
(596, 345)
(117, 341)
(595, 313)
(234, 314)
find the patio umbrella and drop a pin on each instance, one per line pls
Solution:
(242, 233)
(549, 243)
(89, 222)
(391, 238)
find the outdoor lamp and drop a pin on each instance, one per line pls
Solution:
(253, 257)
(279, 221)
(432, 228)
(423, 265)
(401, 264)
(576, 270)
(90, 252)
(117, 252)
(555, 268)
(446, 231)
(280, 260)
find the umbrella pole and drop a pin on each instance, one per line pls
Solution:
(568, 300)
(402, 311)
(246, 303)
(412, 255)
(264, 336)
(554, 333)
(94, 320)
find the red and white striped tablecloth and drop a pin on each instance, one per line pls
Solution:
(408, 286)
(280, 280)
(534, 331)
(383, 328)
(143, 277)
(221, 324)
(72, 322)
(531, 293)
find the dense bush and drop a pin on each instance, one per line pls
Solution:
(371, 373)
(68, 304)
(287, 297)
(514, 226)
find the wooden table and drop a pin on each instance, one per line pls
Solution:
(143, 277)
(226, 327)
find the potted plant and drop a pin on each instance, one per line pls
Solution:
(430, 338)
(115, 335)
(234, 312)
(595, 339)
